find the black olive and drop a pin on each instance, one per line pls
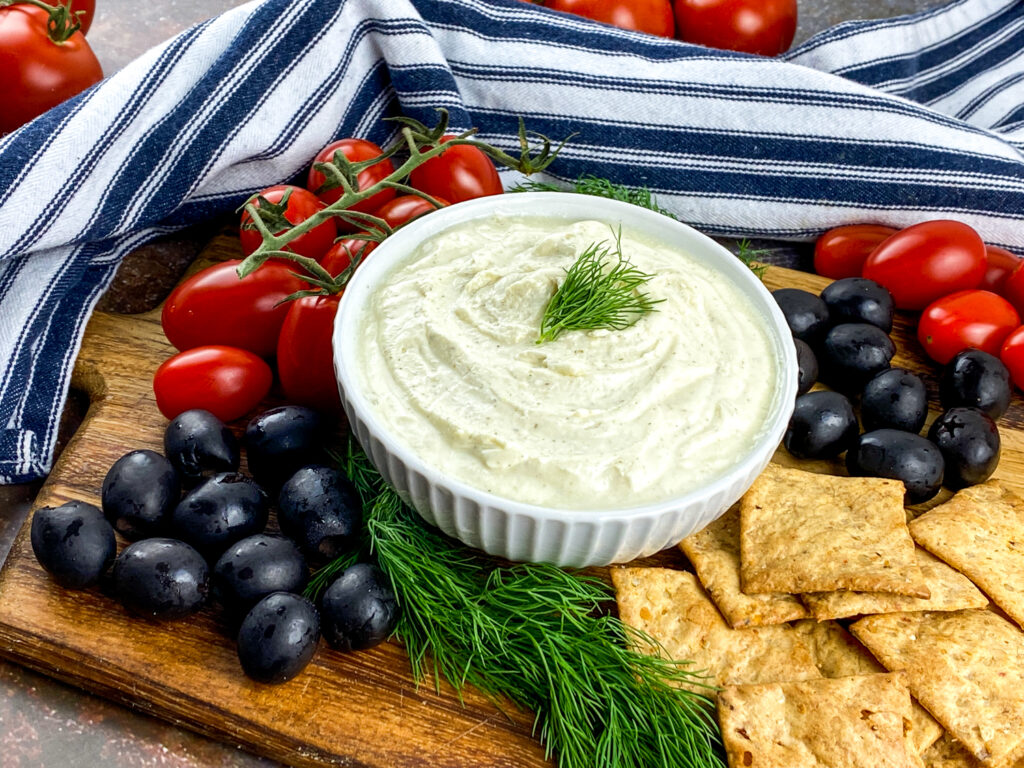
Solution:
(320, 509)
(976, 379)
(200, 445)
(255, 567)
(161, 578)
(852, 354)
(902, 456)
(359, 609)
(139, 492)
(806, 314)
(969, 441)
(823, 426)
(859, 300)
(281, 441)
(895, 399)
(224, 509)
(807, 366)
(74, 542)
(278, 637)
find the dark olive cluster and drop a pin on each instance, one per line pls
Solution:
(212, 542)
(842, 337)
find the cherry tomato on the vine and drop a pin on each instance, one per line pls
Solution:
(305, 357)
(343, 252)
(651, 16)
(841, 252)
(754, 26)
(927, 261)
(38, 70)
(215, 307)
(355, 150)
(1000, 265)
(1012, 355)
(979, 319)
(226, 381)
(281, 214)
(405, 208)
(460, 173)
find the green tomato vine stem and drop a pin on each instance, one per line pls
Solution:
(63, 22)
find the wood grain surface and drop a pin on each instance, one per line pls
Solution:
(354, 710)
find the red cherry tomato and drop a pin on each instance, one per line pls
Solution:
(305, 357)
(215, 307)
(927, 261)
(36, 71)
(841, 252)
(459, 173)
(1000, 265)
(754, 26)
(355, 150)
(225, 381)
(343, 252)
(979, 319)
(300, 205)
(1012, 355)
(651, 16)
(1013, 288)
(405, 208)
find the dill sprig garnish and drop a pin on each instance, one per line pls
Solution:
(539, 636)
(596, 294)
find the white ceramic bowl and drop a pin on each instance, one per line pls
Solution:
(524, 532)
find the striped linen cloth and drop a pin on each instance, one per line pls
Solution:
(893, 122)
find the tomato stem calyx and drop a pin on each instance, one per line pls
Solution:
(62, 22)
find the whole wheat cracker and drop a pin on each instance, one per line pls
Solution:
(846, 722)
(715, 555)
(808, 532)
(950, 591)
(965, 667)
(671, 607)
(980, 532)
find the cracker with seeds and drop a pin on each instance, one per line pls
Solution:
(838, 654)
(965, 667)
(806, 532)
(980, 532)
(715, 555)
(671, 607)
(846, 722)
(950, 591)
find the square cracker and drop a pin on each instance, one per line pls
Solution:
(838, 654)
(715, 554)
(845, 722)
(980, 532)
(965, 667)
(806, 532)
(671, 607)
(951, 591)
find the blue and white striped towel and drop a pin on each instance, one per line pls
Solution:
(893, 122)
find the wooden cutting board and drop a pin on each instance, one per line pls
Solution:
(345, 709)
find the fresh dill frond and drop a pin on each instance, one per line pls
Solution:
(749, 256)
(598, 187)
(597, 294)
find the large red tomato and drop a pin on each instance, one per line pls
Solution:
(225, 381)
(459, 173)
(1000, 265)
(754, 26)
(841, 252)
(979, 319)
(405, 208)
(1012, 355)
(286, 206)
(355, 150)
(39, 69)
(215, 307)
(305, 358)
(651, 16)
(927, 261)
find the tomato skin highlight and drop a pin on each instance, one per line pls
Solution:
(405, 208)
(765, 27)
(354, 150)
(226, 381)
(343, 252)
(841, 252)
(215, 307)
(979, 319)
(36, 73)
(651, 16)
(305, 355)
(301, 205)
(459, 173)
(1012, 355)
(927, 261)
(1000, 264)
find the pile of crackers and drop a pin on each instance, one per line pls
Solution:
(839, 634)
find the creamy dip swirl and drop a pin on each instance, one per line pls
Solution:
(595, 419)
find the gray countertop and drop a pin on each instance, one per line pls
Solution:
(45, 723)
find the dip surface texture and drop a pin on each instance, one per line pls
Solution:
(593, 420)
